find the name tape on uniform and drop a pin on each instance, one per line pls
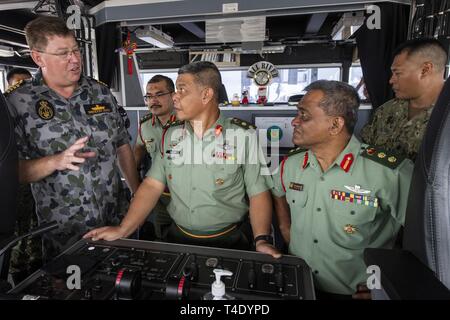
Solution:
(97, 108)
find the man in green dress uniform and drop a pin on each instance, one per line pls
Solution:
(201, 164)
(335, 196)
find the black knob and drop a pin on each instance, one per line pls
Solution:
(194, 269)
(127, 284)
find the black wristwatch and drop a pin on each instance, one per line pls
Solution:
(265, 237)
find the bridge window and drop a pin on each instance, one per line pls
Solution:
(292, 80)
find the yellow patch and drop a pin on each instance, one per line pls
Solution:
(45, 110)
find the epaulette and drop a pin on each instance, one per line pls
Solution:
(242, 124)
(295, 151)
(145, 118)
(173, 124)
(14, 86)
(387, 158)
(101, 82)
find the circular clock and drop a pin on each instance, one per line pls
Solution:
(262, 77)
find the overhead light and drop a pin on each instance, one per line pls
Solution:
(155, 37)
(6, 51)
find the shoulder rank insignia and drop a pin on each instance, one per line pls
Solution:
(295, 151)
(173, 124)
(14, 87)
(145, 118)
(101, 82)
(242, 124)
(387, 158)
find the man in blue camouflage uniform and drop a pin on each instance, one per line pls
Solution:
(71, 139)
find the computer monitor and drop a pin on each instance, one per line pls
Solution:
(279, 129)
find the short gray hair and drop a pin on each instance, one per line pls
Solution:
(341, 100)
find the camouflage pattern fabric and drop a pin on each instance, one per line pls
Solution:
(47, 124)
(390, 128)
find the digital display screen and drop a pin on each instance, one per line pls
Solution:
(279, 129)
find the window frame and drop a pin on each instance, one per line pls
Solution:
(244, 68)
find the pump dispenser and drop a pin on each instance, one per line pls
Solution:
(218, 287)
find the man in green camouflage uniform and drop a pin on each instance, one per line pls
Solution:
(201, 163)
(337, 196)
(160, 90)
(417, 79)
(69, 137)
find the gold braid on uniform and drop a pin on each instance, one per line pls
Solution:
(14, 87)
(389, 159)
(98, 81)
(145, 118)
(242, 124)
(295, 151)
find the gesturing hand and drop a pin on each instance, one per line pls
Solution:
(70, 157)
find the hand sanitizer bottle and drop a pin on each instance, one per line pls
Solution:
(218, 287)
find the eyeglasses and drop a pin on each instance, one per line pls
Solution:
(65, 55)
(149, 97)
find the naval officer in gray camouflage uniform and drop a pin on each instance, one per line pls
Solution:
(70, 137)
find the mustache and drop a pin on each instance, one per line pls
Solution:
(155, 105)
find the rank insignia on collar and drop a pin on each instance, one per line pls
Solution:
(357, 189)
(97, 108)
(305, 160)
(296, 186)
(220, 181)
(218, 130)
(45, 110)
(350, 229)
(347, 162)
